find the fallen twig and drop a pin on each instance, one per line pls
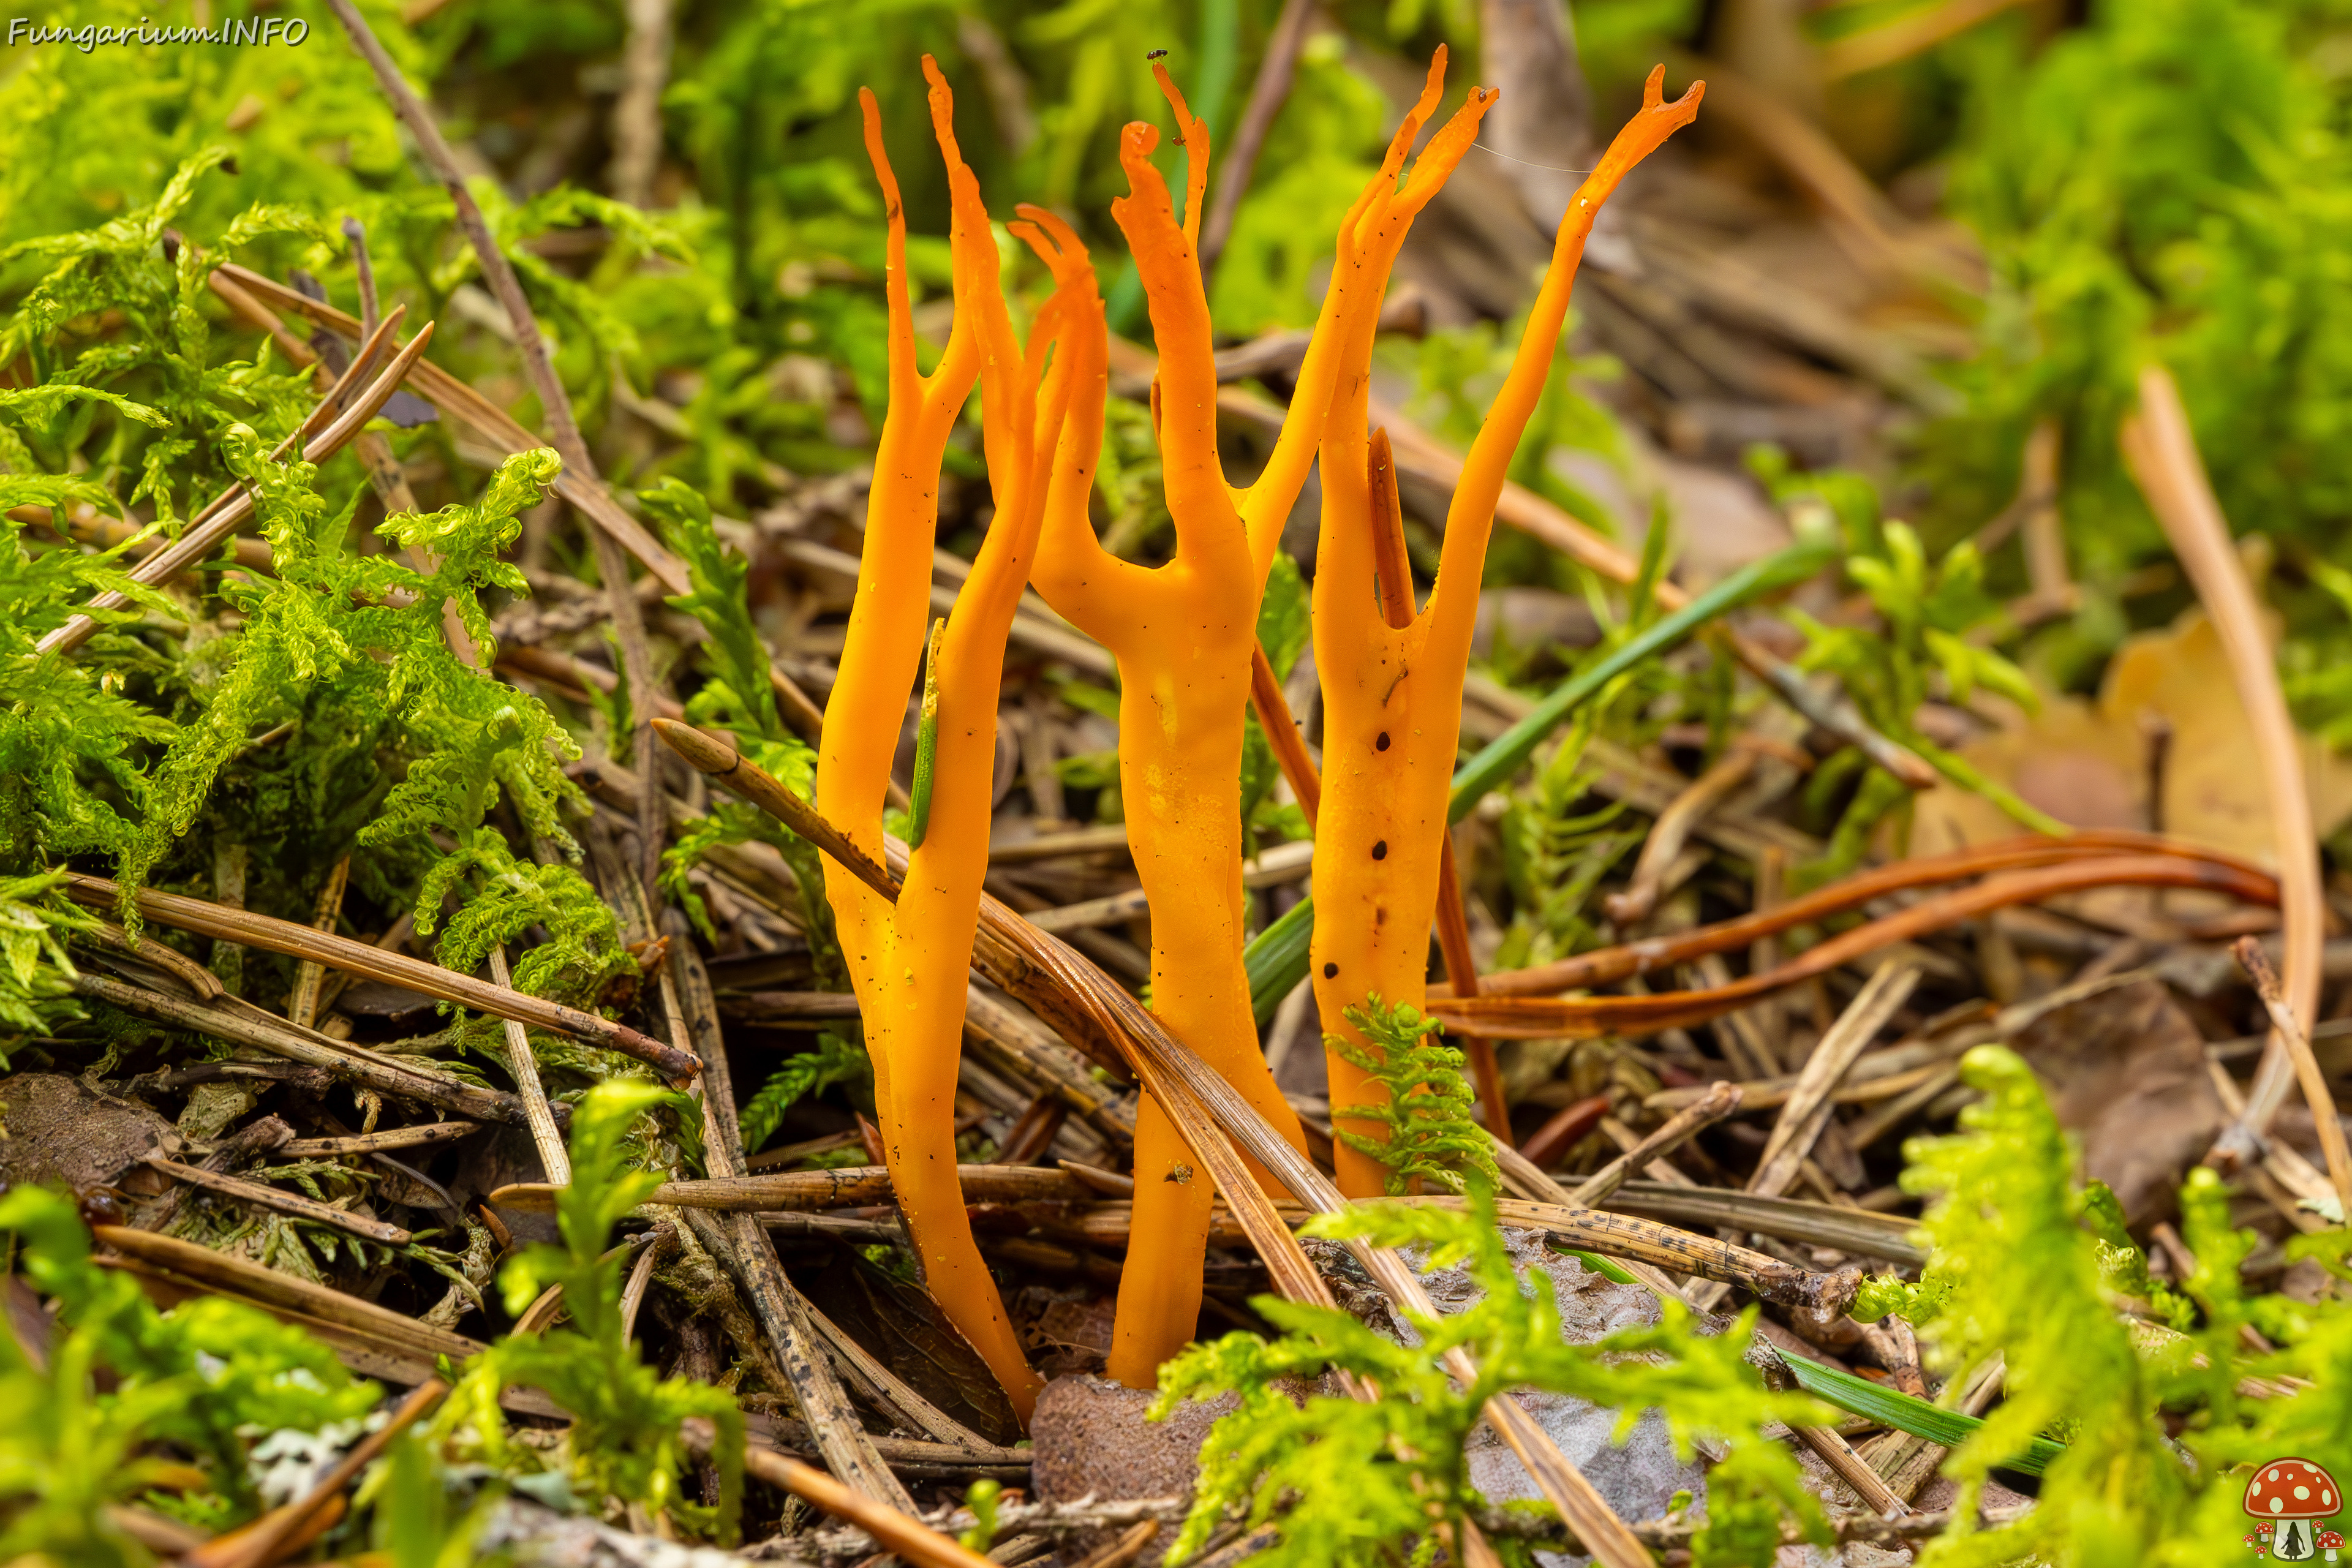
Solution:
(360, 958)
(2161, 452)
(289, 1203)
(1546, 1018)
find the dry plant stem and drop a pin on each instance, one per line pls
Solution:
(698, 1013)
(1544, 1018)
(375, 963)
(612, 566)
(853, 1186)
(221, 520)
(892, 1527)
(2288, 1029)
(901, 1403)
(636, 114)
(273, 1535)
(244, 291)
(1184, 636)
(1720, 1100)
(2161, 452)
(2022, 853)
(1267, 94)
(908, 960)
(303, 1006)
(1119, 1553)
(1462, 974)
(1909, 34)
(400, 1080)
(289, 1203)
(1854, 1470)
(523, 1063)
(1671, 832)
(1077, 999)
(1392, 698)
(1282, 734)
(233, 1276)
(840, 1439)
(1855, 1230)
(390, 1138)
(1681, 1251)
(1807, 1108)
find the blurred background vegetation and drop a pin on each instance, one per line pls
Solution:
(1908, 236)
(2052, 190)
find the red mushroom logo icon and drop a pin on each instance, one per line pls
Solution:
(2292, 1495)
(2330, 1543)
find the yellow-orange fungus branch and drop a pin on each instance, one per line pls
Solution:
(908, 962)
(1184, 635)
(1392, 695)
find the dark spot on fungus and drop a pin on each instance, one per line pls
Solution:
(1380, 850)
(1382, 743)
(1330, 971)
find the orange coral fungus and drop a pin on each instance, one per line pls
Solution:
(1183, 635)
(1392, 695)
(908, 962)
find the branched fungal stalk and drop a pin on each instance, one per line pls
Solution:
(1183, 635)
(907, 960)
(1392, 695)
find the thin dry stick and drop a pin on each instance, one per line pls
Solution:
(2161, 451)
(800, 1352)
(892, 1528)
(1672, 831)
(1057, 984)
(637, 113)
(1854, 1470)
(1681, 1251)
(523, 1063)
(274, 1534)
(1119, 1553)
(319, 1306)
(1588, 1017)
(374, 1143)
(903, 1402)
(697, 1015)
(2289, 1029)
(302, 1007)
(402, 1079)
(289, 1203)
(244, 291)
(612, 566)
(1848, 1229)
(221, 520)
(2022, 853)
(1265, 99)
(1719, 1101)
(1809, 1105)
(375, 963)
(641, 1278)
(853, 1186)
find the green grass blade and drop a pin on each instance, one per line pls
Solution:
(1503, 755)
(1890, 1408)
